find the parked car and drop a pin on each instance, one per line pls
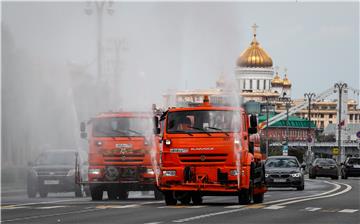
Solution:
(350, 168)
(284, 171)
(323, 167)
(54, 171)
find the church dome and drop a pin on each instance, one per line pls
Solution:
(277, 80)
(287, 82)
(254, 55)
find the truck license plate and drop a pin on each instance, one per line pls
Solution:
(279, 180)
(48, 182)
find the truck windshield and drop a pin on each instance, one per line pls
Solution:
(122, 126)
(203, 121)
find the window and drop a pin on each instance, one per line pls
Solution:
(258, 84)
(264, 87)
(330, 116)
(251, 86)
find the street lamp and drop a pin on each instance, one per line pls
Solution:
(309, 96)
(340, 86)
(100, 6)
(287, 101)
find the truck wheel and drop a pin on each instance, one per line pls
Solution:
(112, 194)
(78, 191)
(169, 198)
(196, 199)
(43, 193)
(158, 195)
(123, 194)
(185, 200)
(258, 198)
(96, 193)
(31, 190)
(244, 196)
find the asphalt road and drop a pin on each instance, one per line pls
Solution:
(323, 201)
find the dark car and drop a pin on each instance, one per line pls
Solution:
(323, 167)
(350, 168)
(54, 171)
(284, 171)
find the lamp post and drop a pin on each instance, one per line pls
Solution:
(340, 86)
(287, 101)
(309, 96)
(100, 6)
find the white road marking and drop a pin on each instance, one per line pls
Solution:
(348, 188)
(274, 207)
(234, 206)
(47, 202)
(117, 206)
(51, 207)
(153, 223)
(311, 209)
(208, 215)
(337, 186)
(49, 215)
(12, 207)
(349, 210)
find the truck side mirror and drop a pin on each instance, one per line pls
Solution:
(82, 126)
(83, 135)
(156, 125)
(251, 147)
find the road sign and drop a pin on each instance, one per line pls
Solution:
(358, 134)
(335, 151)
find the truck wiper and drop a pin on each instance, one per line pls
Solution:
(200, 129)
(182, 131)
(219, 129)
(133, 131)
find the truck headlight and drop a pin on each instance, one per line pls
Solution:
(167, 142)
(150, 171)
(169, 173)
(266, 175)
(94, 171)
(71, 172)
(234, 172)
(296, 174)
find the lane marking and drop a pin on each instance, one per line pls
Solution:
(183, 206)
(311, 209)
(48, 202)
(235, 206)
(348, 188)
(51, 207)
(208, 215)
(274, 207)
(330, 210)
(49, 215)
(13, 207)
(117, 206)
(337, 187)
(152, 222)
(349, 210)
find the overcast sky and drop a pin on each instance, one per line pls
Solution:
(187, 45)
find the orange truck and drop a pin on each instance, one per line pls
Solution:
(208, 150)
(123, 151)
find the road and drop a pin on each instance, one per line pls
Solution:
(323, 201)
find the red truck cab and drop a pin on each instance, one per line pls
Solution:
(123, 151)
(206, 150)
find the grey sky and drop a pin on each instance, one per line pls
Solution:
(187, 45)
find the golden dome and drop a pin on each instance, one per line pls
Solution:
(254, 56)
(277, 80)
(287, 81)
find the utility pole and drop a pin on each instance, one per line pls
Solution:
(287, 101)
(100, 6)
(309, 96)
(340, 86)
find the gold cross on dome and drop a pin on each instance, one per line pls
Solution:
(254, 29)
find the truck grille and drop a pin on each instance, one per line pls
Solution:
(203, 158)
(125, 158)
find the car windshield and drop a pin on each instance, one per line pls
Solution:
(354, 161)
(122, 126)
(281, 163)
(200, 121)
(326, 162)
(56, 158)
